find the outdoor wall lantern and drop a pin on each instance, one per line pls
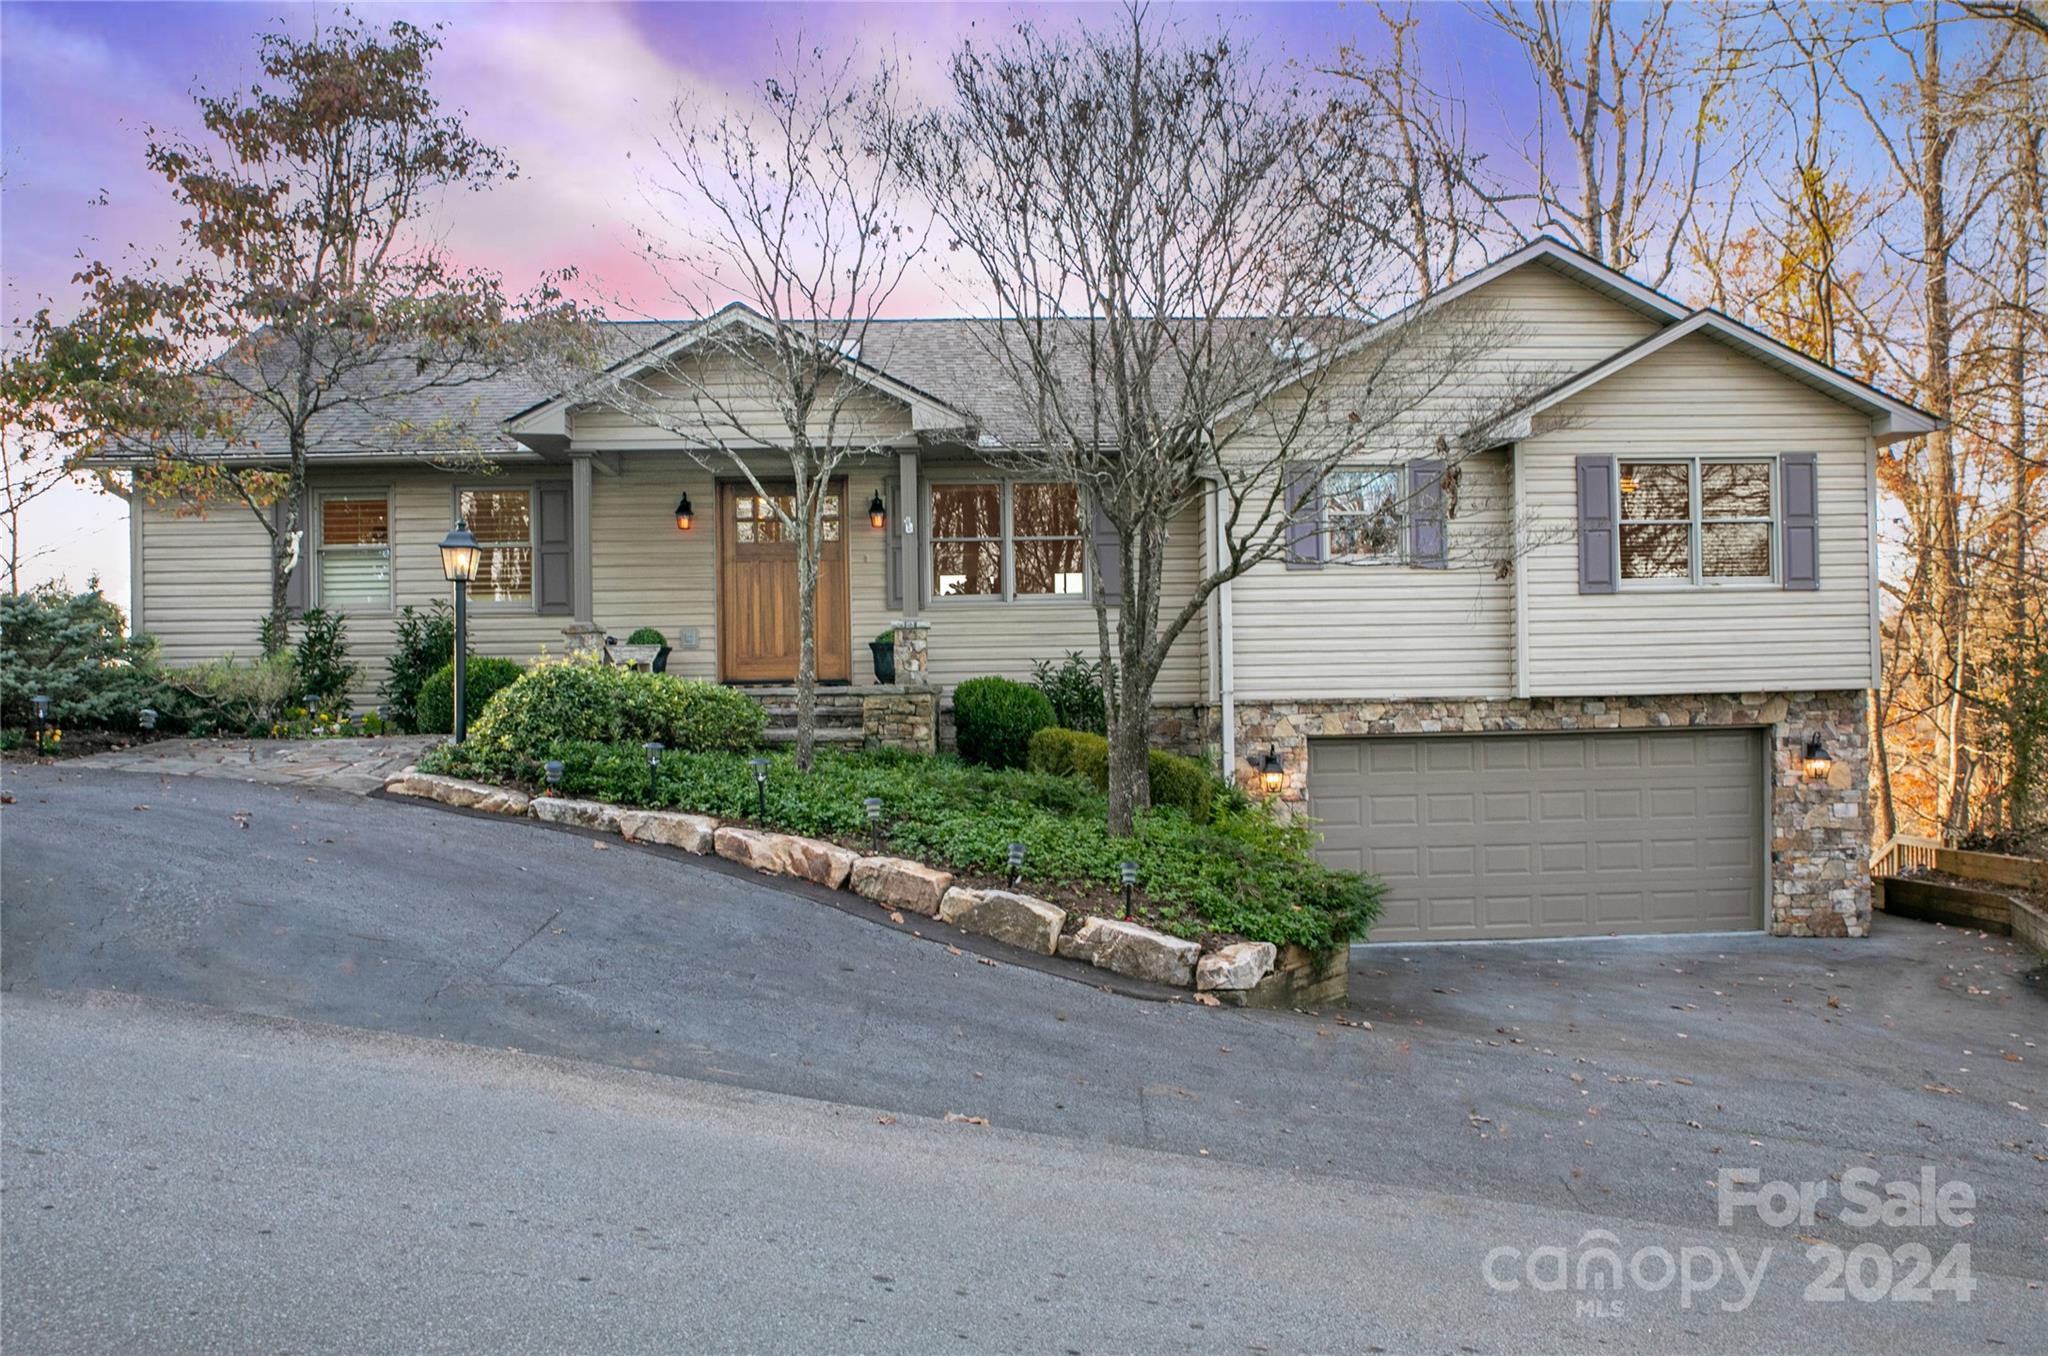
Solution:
(1272, 772)
(1129, 871)
(878, 512)
(1818, 763)
(760, 766)
(873, 805)
(146, 718)
(652, 748)
(1016, 863)
(685, 517)
(459, 554)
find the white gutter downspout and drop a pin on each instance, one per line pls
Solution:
(1226, 649)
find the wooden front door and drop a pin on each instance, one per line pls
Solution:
(757, 602)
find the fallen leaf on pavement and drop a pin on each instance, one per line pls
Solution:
(1208, 1000)
(952, 950)
(895, 917)
(966, 1120)
(885, 1120)
(1944, 1089)
(601, 847)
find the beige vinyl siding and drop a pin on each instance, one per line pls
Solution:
(732, 411)
(205, 580)
(971, 637)
(1394, 631)
(1699, 397)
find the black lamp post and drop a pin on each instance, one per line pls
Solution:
(1129, 871)
(1016, 863)
(760, 766)
(874, 809)
(459, 554)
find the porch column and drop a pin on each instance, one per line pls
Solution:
(908, 572)
(579, 499)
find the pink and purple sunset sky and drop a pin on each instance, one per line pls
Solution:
(573, 91)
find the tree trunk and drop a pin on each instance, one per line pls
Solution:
(809, 504)
(1130, 779)
(1884, 812)
(276, 635)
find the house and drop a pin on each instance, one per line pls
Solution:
(1622, 691)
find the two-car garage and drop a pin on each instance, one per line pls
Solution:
(1549, 835)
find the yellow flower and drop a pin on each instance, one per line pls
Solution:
(56, 736)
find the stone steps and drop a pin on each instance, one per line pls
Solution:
(827, 734)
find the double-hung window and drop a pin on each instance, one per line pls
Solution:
(1007, 539)
(1700, 520)
(501, 520)
(354, 564)
(1362, 514)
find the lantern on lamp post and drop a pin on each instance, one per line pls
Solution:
(459, 553)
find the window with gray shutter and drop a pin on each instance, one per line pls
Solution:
(1427, 525)
(298, 584)
(1109, 554)
(1596, 524)
(554, 553)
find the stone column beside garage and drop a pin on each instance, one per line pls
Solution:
(1820, 830)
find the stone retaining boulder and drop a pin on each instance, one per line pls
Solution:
(1139, 952)
(1016, 919)
(1241, 965)
(786, 855)
(463, 795)
(901, 883)
(691, 833)
(582, 814)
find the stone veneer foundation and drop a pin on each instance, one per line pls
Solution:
(1820, 830)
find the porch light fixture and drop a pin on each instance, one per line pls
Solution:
(459, 555)
(873, 805)
(878, 512)
(1129, 871)
(652, 748)
(1818, 762)
(1272, 772)
(685, 516)
(146, 718)
(760, 766)
(1016, 863)
(552, 770)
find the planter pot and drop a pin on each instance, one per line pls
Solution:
(885, 660)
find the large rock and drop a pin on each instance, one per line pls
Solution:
(583, 814)
(463, 795)
(1241, 965)
(786, 855)
(1139, 952)
(691, 833)
(1019, 920)
(901, 883)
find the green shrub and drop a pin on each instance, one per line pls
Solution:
(483, 678)
(1057, 752)
(1074, 688)
(1179, 782)
(609, 703)
(235, 698)
(994, 719)
(324, 674)
(425, 642)
(74, 649)
(647, 635)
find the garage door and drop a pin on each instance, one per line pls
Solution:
(1563, 835)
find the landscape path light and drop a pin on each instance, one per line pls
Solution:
(760, 766)
(874, 809)
(1016, 863)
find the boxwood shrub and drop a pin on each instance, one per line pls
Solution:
(994, 719)
(1180, 782)
(434, 707)
(609, 703)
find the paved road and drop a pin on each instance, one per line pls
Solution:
(1611, 1080)
(229, 1184)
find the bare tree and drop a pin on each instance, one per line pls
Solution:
(1200, 276)
(781, 237)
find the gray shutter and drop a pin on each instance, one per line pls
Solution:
(1598, 552)
(298, 586)
(1802, 521)
(892, 554)
(1109, 554)
(1304, 519)
(554, 549)
(1426, 526)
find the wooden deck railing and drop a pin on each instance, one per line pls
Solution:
(1905, 853)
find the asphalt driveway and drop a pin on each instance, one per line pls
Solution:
(1614, 1078)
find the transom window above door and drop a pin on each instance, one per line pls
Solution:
(502, 522)
(1697, 520)
(1007, 539)
(355, 550)
(755, 521)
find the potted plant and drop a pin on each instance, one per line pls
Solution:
(884, 649)
(645, 646)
